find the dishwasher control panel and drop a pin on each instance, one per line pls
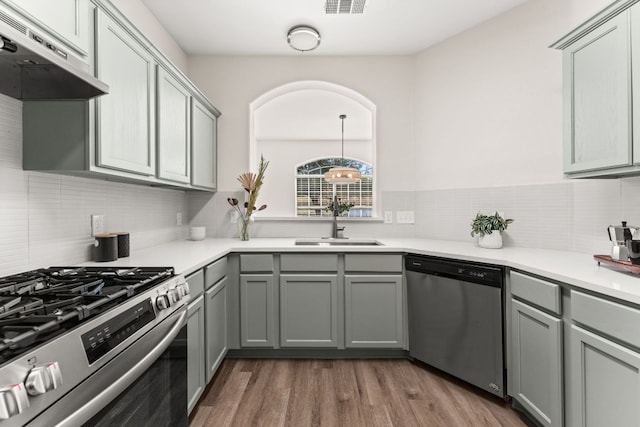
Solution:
(483, 274)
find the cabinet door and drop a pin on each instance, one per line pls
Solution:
(216, 326)
(125, 124)
(373, 311)
(597, 110)
(174, 128)
(309, 310)
(536, 340)
(203, 146)
(196, 380)
(67, 19)
(605, 381)
(256, 310)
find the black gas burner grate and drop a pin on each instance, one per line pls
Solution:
(38, 305)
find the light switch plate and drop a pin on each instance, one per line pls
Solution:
(178, 218)
(404, 217)
(388, 217)
(97, 224)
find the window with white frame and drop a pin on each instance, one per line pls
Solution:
(314, 194)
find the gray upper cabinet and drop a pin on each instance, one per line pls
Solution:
(126, 117)
(373, 311)
(142, 131)
(173, 117)
(598, 97)
(68, 20)
(203, 146)
(536, 345)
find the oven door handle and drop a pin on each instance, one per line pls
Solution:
(95, 405)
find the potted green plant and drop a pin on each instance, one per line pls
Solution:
(342, 207)
(484, 226)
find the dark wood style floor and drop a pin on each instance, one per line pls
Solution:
(350, 393)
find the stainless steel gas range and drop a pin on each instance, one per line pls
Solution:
(93, 346)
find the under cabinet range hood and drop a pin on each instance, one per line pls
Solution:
(34, 68)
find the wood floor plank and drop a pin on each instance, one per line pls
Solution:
(303, 401)
(225, 407)
(200, 416)
(350, 393)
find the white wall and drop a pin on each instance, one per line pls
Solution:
(232, 83)
(149, 25)
(488, 102)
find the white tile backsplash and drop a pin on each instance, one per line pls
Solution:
(571, 215)
(45, 218)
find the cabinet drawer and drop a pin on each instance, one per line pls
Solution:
(373, 263)
(214, 272)
(616, 320)
(309, 262)
(256, 263)
(196, 284)
(539, 292)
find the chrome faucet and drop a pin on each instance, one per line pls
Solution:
(338, 232)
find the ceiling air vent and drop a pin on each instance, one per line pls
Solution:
(344, 6)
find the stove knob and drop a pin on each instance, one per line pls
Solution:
(174, 297)
(43, 378)
(183, 290)
(13, 401)
(162, 302)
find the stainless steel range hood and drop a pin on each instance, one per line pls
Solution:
(34, 68)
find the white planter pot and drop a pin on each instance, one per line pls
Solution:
(491, 241)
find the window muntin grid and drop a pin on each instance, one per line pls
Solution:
(314, 194)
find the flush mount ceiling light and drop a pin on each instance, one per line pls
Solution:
(342, 174)
(303, 38)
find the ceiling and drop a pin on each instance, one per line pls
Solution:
(259, 27)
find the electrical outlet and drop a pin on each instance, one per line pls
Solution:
(388, 217)
(404, 217)
(97, 224)
(233, 217)
(179, 218)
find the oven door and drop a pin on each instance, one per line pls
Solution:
(145, 385)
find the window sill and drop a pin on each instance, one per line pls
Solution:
(317, 219)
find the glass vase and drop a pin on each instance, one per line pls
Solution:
(245, 225)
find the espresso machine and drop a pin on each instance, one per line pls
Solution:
(619, 235)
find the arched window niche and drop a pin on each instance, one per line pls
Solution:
(298, 123)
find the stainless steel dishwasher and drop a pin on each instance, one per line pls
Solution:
(455, 319)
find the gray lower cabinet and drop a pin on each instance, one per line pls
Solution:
(216, 326)
(373, 311)
(605, 381)
(196, 376)
(536, 344)
(309, 310)
(257, 310)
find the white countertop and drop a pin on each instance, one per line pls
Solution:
(576, 269)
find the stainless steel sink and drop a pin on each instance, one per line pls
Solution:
(337, 242)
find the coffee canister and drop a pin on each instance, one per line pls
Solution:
(123, 244)
(105, 247)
